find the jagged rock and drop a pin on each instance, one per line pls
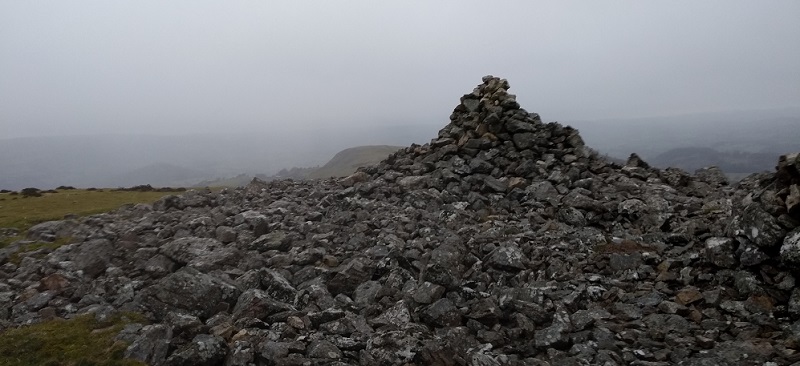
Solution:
(445, 266)
(276, 240)
(323, 349)
(51, 230)
(442, 313)
(255, 303)
(151, 346)
(191, 291)
(427, 293)
(720, 252)
(94, 257)
(761, 227)
(202, 253)
(398, 315)
(790, 250)
(277, 287)
(204, 350)
(508, 257)
(350, 276)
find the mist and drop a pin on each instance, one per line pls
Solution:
(308, 78)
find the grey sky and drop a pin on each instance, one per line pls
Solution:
(83, 67)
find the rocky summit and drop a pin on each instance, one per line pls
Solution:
(503, 241)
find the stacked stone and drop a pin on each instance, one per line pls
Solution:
(504, 241)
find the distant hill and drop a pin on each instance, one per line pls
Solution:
(769, 132)
(347, 161)
(159, 175)
(342, 164)
(732, 162)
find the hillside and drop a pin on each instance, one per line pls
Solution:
(731, 162)
(344, 163)
(505, 241)
(347, 161)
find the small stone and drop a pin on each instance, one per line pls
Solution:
(688, 295)
(719, 251)
(295, 322)
(669, 307)
(508, 256)
(323, 349)
(442, 313)
(427, 293)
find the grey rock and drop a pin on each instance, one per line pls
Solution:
(442, 313)
(761, 227)
(398, 315)
(324, 350)
(51, 230)
(524, 140)
(445, 266)
(151, 346)
(720, 252)
(621, 262)
(204, 350)
(350, 276)
(508, 257)
(160, 265)
(94, 256)
(412, 182)
(191, 291)
(553, 336)
(486, 311)
(427, 293)
(226, 234)
(275, 240)
(255, 303)
(278, 287)
(201, 253)
(367, 293)
(241, 354)
(492, 184)
(790, 250)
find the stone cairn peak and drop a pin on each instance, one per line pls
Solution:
(503, 241)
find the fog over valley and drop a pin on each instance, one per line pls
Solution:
(109, 94)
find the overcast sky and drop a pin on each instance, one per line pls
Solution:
(169, 67)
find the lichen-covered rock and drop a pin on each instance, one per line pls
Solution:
(719, 251)
(790, 250)
(152, 345)
(190, 290)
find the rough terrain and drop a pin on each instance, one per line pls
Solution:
(504, 241)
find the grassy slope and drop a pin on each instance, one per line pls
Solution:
(22, 213)
(347, 161)
(79, 341)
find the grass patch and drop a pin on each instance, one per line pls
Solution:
(22, 214)
(80, 341)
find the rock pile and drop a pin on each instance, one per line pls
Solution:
(505, 241)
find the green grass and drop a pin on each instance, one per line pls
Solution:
(22, 213)
(81, 341)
